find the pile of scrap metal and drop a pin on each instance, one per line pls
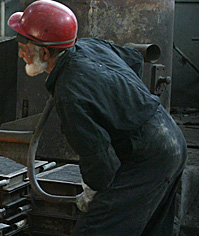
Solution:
(14, 187)
(22, 212)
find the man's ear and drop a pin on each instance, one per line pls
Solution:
(44, 54)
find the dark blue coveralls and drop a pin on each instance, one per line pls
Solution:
(131, 151)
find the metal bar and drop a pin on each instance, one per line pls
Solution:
(20, 224)
(29, 123)
(195, 39)
(31, 159)
(4, 182)
(49, 166)
(186, 58)
(3, 18)
(179, 1)
(24, 208)
(16, 202)
(15, 136)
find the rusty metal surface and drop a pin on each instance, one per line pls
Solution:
(14, 145)
(24, 124)
(15, 136)
(15, 151)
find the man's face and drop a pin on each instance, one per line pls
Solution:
(31, 55)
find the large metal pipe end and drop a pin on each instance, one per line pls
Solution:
(150, 52)
(153, 53)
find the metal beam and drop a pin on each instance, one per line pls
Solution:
(185, 1)
(3, 18)
(15, 136)
(186, 58)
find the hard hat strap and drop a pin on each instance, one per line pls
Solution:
(57, 43)
(23, 39)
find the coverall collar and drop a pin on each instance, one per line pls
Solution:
(52, 77)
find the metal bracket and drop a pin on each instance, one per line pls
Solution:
(158, 81)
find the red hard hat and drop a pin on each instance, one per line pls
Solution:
(46, 22)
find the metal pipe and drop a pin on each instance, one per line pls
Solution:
(20, 224)
(150, 52)
(24, 208)
(31, 159)
(2, 213)
(49, 166)
(4, 182)
(3, 18)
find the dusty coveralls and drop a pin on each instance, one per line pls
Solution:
(131, 151)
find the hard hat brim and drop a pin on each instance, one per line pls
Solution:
(14, 22)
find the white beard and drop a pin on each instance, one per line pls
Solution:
(37, 67)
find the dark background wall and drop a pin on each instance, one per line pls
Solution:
(8, 79)
(185, 85)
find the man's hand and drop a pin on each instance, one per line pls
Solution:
(85, 197)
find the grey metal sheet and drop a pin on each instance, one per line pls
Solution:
(64, 180)
(69, 173)
(8, 166)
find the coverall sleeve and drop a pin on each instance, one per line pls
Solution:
(98, 161)
(131, 56)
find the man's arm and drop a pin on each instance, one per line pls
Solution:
(98, 160)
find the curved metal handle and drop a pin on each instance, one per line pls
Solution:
(31, 159)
